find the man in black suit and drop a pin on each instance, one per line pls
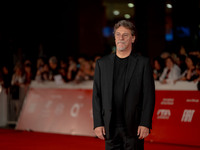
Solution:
(123, 94)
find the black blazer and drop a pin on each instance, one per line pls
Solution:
(139, 93)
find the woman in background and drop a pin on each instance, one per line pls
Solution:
(171, 72)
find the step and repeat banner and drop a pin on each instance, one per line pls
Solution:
(69, 111)
(176, 118)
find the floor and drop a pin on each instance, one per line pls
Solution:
(11, 139)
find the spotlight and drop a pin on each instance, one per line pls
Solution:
(127, 16)
(131, 5)
(116, 12)
(169, 6)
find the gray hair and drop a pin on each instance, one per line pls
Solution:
(127, 24)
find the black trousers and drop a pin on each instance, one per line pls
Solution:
(121, 141)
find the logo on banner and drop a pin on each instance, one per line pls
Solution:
(75, 109)
(167, 101)
(192, 100)
(163, 113)
(187, 115)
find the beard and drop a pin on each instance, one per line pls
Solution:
(121, 48)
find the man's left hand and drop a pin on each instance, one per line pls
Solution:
(143, 132)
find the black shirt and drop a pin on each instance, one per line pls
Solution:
(120, 67)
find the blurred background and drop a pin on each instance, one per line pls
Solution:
(34, 29)
(49, 46)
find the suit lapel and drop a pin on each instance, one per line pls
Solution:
(132, 61)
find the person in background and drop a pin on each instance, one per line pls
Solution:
(17, 81)
(5, 78)
(18, 76)
(28, 72)
(164, 55)
(40, 63)
(157, 67)
(182, 51)
(180, 61)
(63, 70)
(190, 73)
(42, 73)
(197, 79)
(85, 72)
(54, 68)
(170, 73)
(72, 69)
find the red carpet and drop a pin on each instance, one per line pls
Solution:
(24, 140)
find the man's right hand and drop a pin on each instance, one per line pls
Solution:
(100, 132)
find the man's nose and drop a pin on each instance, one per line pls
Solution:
(121, 37)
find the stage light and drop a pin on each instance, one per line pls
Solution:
(169, 6)
(127, 16)
(116, 12)
(131, 5)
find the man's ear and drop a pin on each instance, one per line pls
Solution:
(133, 39)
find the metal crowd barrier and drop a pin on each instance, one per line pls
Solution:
(10, 108)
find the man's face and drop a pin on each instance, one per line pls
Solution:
(123, 39)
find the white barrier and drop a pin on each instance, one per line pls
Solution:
(6, 105)
(180, 85)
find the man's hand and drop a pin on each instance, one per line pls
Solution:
(100, 132)
(143, 132)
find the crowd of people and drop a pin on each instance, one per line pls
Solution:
(45, 69)
(167, 68)
(48, 69)
(170, 68)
